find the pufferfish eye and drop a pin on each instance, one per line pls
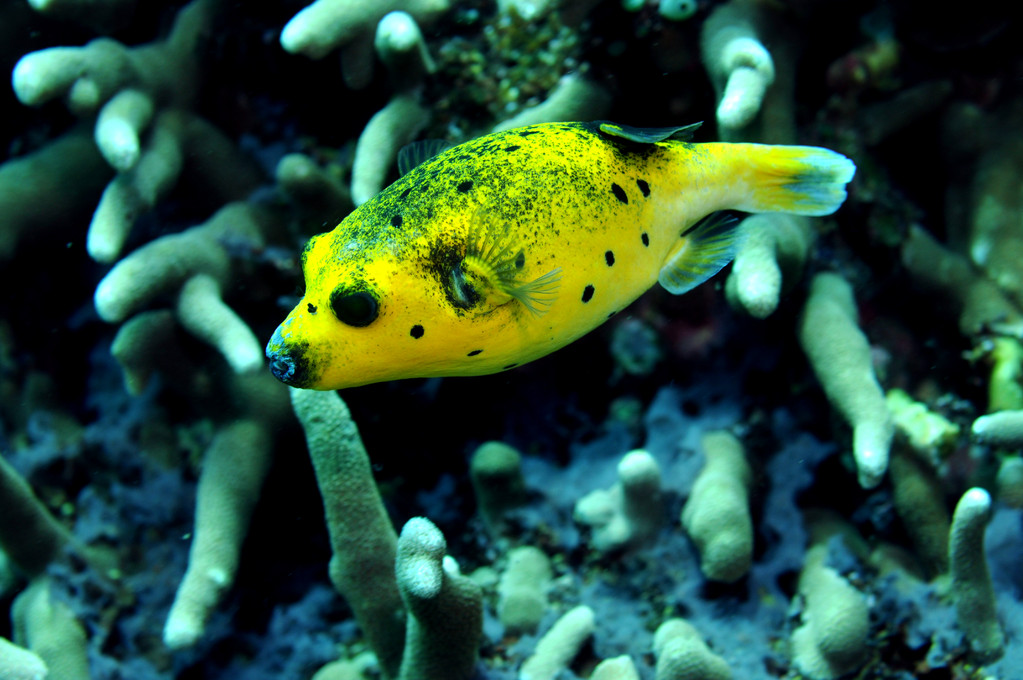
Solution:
(354, 309)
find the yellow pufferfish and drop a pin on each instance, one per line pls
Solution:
(507, 247)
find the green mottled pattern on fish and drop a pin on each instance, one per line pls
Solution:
(505, 248)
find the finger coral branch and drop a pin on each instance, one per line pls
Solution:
(89, 76)
(47, 627)
(48, 189)
(445, 609)
(770, 259)
(840, 356)
(740, 66)
(29, 535)
(559, 645)
(683, 655)
(362, 538)
(832, 640)
(972, 589)
(629, 513)
(717, 516)
(234, 467)
(326, 25)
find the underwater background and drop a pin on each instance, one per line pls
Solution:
(808, 467)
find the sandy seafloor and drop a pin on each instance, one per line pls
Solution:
(120, 470)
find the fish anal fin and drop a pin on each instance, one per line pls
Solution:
(648, 135)
(706, 248)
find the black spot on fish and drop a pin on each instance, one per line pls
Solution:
(465, 186)
(520, 260)
(526, 133)
(609, 257)
(587, 293)
(396, 221)
(416, 332)
(512, 148)
(619, 193)
(612, 314)
(474, 353)
(311, 307)
(405, 194)
(505, 368)
(646, 239)
(644, 187)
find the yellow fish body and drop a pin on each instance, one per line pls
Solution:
(505, 248)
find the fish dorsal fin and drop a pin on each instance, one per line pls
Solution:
(648, 135)
(415, 153)
(490, 273)
(706, 248)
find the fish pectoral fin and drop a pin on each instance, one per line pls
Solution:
(475, 283)
(705, 249)
(540, 293)
(649, 135)
(494, 264)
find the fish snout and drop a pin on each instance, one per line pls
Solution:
(287, 362)
(281, 365)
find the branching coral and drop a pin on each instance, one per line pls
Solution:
(363, 540)
(832, 640)
(496, 473)
(840, 356)
(972, 589)
(523, 589)
(88, 77)
(48, 628)
(234, 467)
(683, 655)
(126, 86)
(629, 513)
(43, 191)
(326, 25)
(445, 609)
(717, 516)
(740, 66)
(559, 645)
(18, 663)
(195, 264)
(29, 535)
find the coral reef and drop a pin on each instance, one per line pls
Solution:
(808, 469)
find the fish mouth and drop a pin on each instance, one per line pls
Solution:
(288, 363)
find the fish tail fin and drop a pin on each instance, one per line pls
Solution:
(706, 248)
(801, 180)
